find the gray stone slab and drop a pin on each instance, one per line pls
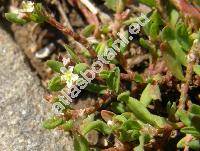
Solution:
(21, 107)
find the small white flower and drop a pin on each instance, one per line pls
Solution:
(69, 77)
(27, 7)
(66, 61)
(17, 11)
(63, 70)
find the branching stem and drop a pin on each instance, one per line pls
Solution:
(192, 57)
(52, 21)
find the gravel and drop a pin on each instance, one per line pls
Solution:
(22, 108)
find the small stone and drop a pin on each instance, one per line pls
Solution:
(45, 52)
(23, 112)
(2, 50)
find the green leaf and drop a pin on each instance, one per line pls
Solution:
(110, 42)
(56, 84)
(131, 20)
(183, 36)
(96, 125)
(123, 46)
(14, 18)
(181, 143)
(96, 88)
(151, 92)
(39, 9)
(120, 5)
(178, 51)
(36, 18)
(154, 31)
(173, 65)
(190, 130)
(72, 54)
(113, 81)
(193, 144)
(55, 65)
(129, 136)
(129, 129)
(85, 53)
(131, 125)
(110, 81)
(105, 29)
(144, 43)
(156, 18)
(80, 67)
(117, 79)
(142, 139)
(189, 119)
(120, 118)
(160, 121)
(152, 28)
(123, 96)
(195, 121)
(80, 143)
(138, 78)
(169, 35)
(197, 2)
(88, 30)
(67, 125)
(140, 111)
(105, 74)
(118, 107)
(116, 5)
(196, 69)
(143, 114)
(171, 110)
(147, 45)
(173, 18)
(52, 123)
(101, 47)
(195, 109)
(111, 4)
(184, 117)
(38, 15)
(151, 3)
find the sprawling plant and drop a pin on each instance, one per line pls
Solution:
(131, 111)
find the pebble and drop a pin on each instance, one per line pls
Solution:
(45, 52)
